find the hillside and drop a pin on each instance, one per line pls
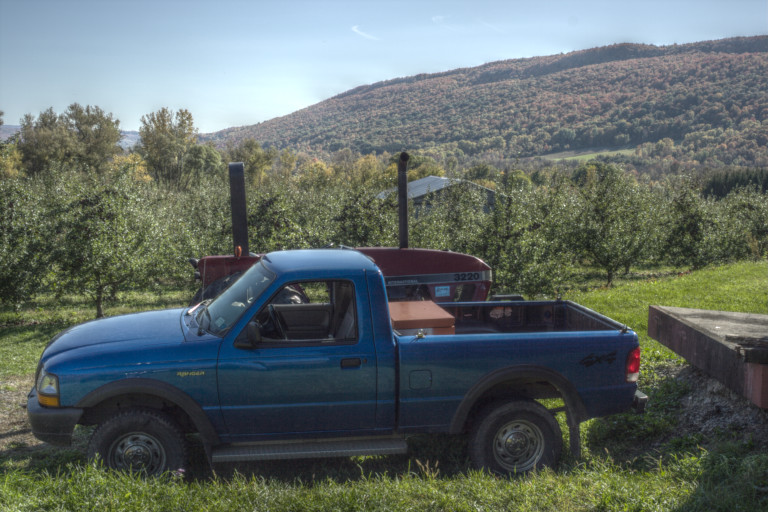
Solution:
(704, 102)
(7, 131)
(130, 138)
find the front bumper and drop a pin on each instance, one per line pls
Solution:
(52, 425)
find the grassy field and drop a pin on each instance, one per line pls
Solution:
(586, 155)
(663, 460)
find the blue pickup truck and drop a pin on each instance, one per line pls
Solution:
(301, 357)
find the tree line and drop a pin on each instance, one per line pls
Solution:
(82, 215)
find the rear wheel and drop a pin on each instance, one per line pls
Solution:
(515, 437)
(140, 440)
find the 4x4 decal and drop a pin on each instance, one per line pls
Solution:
(593, 359)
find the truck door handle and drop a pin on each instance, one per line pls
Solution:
(352, 362)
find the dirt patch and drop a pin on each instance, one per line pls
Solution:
(714, 411)
(18, 447)
(15, 434)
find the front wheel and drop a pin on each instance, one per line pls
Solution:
(140, 440)
(515, 437)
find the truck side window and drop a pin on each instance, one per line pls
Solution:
(310, 312)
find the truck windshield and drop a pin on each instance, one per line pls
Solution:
(225, 310)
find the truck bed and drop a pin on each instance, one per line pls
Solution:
(524, 316)
(538, 339)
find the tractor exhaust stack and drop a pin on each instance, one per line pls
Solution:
(239, 216)
(402, 198)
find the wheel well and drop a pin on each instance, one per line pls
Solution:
(522, 382)
(154, 394)
(514, 389)
(97, 413)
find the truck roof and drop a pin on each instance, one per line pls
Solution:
(308, 260)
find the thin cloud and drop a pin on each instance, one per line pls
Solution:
(494, 28)
(356, 30)
(442, 22)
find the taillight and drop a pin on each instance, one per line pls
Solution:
(633, 365)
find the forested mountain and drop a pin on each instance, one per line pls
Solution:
(702, 103)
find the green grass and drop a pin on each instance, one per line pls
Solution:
(630, 462)
(737, 287)
(89, 489)
(25, 332)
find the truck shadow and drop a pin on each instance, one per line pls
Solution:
(428, 456)
(36, 457)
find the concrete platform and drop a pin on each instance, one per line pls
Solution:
(730, 347)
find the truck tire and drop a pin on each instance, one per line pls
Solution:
(515, 437)
(139, 440)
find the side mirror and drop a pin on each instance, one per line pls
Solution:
(250, 337)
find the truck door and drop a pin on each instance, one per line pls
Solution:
(304, 363)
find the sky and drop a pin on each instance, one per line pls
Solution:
(237, 62)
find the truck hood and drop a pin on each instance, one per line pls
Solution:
(142, 329)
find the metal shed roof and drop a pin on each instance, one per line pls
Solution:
(424, 186)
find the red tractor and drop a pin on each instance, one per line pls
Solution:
(410, 274)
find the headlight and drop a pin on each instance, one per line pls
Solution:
(48, 389)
